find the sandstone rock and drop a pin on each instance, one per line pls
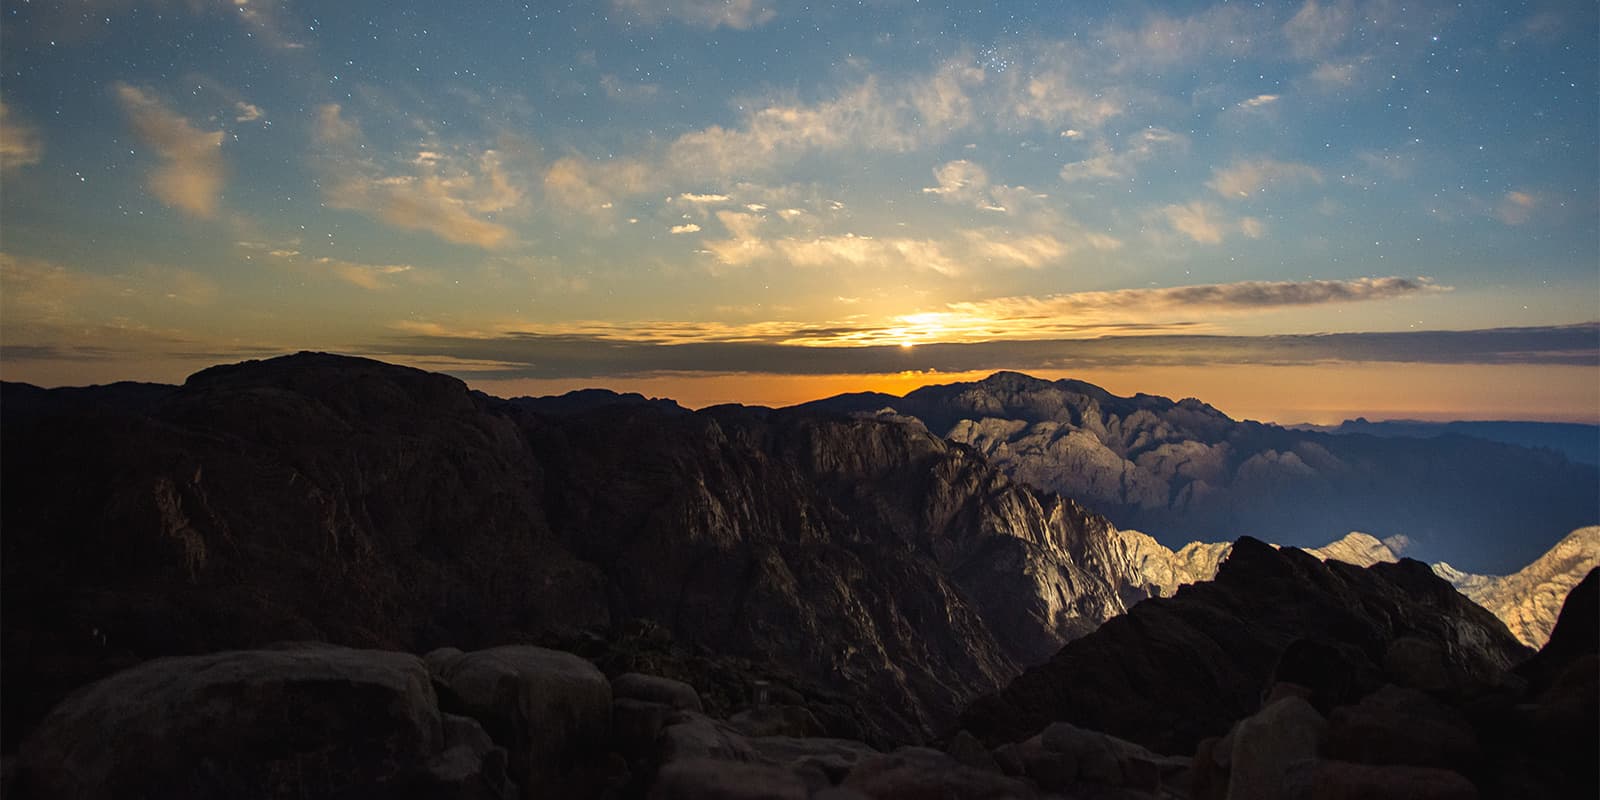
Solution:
(657, 689)
(709, 779)
(1267, 744)
(551, 710)
(1341, 780)
(290, 722)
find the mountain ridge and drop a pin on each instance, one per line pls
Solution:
(1182, 470)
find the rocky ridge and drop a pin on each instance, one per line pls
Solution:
(1530, 599)
(1183, 470)
(317, 497)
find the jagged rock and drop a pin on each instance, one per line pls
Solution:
(1341, 780)
(1173, 671)
(309, 721)
(656, 689)
(551, 710)
(1267, 744)
(707, 779)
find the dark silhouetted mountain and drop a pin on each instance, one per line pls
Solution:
(318, 497)
(582, 400)
(1173, 671)
(1578, 442)
(1184, 471)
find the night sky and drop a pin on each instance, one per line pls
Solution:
(769, 201)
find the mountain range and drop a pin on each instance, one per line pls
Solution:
(1183, 471)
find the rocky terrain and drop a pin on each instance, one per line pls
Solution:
(1183, 471)
(887, 572)
(1530, 599)
(302, 719)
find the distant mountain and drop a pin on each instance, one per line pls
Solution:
(1580, 443)
(1184, 470)
(1530, 599)
(582, 400)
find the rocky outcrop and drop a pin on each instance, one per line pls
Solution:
(1174, 671)
(346, 500)
(1529, 599)
(1184, 470)
(302, 721)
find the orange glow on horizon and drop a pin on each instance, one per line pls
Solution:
(1323, 394)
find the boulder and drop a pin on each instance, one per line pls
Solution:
(295, 721)
(1402, 726)
(913, 773)
(710, 779)
(635, 724)
(697, 736)
(656, 689)
(1342, 780)
(966, 748)
(1268, 743)
(777, 720)
(551, 710)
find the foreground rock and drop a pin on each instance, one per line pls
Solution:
(551, 710)
(310, 721)
(1174, 671)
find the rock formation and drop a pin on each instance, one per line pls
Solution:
(1172, 671)
(1183, 470)
(355, 502)
(1529, 599)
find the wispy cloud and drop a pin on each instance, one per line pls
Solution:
(1109, 162)
(1242, 179)
(737, 14)
(445, 194)
(192, 174)
(20, 144)
(1517, 207)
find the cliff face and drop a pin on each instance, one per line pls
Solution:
(345, 500)
(1530, 599)
(1184, 470)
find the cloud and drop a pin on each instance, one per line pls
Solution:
(1316, 28)
(1197, 220)
(592, 187)
(1245, 178)
(561, 355)
(1259, 101)
(192, 173)
(1109, 163)
(20, 145)
(709, 14)
(372, 277)
(445, 194)
(247, 112)
(1517, 207)
(688, 228)
(987, 248)
(703, 199)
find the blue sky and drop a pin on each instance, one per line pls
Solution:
(498, 189)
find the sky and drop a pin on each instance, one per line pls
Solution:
(1295, 211)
